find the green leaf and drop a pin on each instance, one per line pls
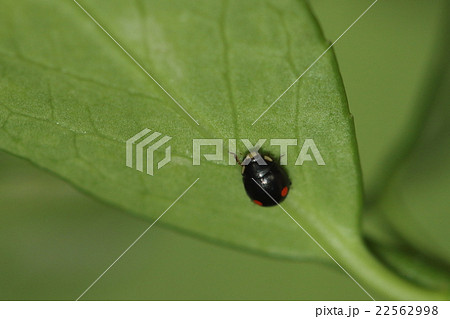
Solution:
(75, 116)
(411, 207)
(70, 98)
(416, 198)
(416, 183)
(413, 266)
(398, 254)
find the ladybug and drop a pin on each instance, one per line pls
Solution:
(262, 177)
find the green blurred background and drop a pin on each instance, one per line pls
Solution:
(55, 241)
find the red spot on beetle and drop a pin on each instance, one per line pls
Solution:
(284, 191)
(257, 202)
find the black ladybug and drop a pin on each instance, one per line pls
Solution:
(262, 177)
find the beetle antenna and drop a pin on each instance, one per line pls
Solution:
(236, 158)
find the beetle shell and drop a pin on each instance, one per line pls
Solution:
(270, 179)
